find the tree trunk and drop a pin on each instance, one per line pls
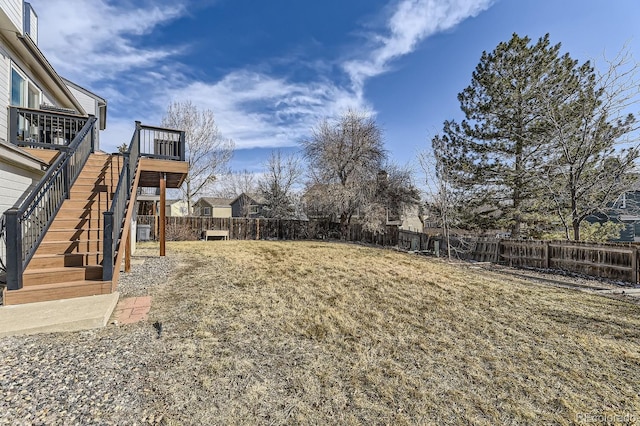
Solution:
(344, 226)
(189, 212)
(576, 230)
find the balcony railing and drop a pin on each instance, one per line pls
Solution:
(161, 143)
(43, 129)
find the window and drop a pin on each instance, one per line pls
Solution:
(253, 209)
(206, 211)
(17, 88)
(623, 201)
(33, 97)
(23, 93)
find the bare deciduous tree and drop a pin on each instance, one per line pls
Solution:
(233, 184)
(443, 200)
(594, 141)
(207, 151)
(277, 185)
(344, 158)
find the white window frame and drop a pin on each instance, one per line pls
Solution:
(27, 86)
(206, 211)
(24, 85)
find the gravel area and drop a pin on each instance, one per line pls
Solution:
(102, 376)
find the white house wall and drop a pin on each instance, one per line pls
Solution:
(13, 9)
(89, 104)
(14, 183)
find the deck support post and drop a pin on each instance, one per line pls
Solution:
(163, 205)
(127, 251)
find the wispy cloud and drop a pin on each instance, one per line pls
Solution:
(258, 110)
(92, 40)
(411, 22)
(95, 44)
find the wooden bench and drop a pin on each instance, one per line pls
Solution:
(215, 234)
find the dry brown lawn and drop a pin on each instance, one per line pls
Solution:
(324, 333)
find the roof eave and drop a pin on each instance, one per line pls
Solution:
(57, 83)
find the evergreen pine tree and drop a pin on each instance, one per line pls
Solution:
(496, 152)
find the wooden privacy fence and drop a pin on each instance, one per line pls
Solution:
(191, 228)
(616, 261)
(612, 261)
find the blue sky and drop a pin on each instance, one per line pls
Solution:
(270, 70)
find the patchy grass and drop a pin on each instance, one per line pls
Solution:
(308, 332)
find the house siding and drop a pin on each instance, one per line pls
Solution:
(90, 105)
(14, 183)
(222, 212)
(13, 9)
(178, 209)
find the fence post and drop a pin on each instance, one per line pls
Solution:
(107, 249)
(547, 255)
(634, 266)
(182, 146)
(136, 139)
(14, 250)
(93, 135)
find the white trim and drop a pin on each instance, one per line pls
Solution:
(19, 158)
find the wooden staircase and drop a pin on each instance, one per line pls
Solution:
(68, 262)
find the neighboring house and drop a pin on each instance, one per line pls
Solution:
(177, 208)
(625, 210)
(410, 219)
(249, 205)
(212, 207)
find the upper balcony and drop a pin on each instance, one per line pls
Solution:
(44, 133)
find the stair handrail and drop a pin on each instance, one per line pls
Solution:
(3, 243)
(114, 217)
(27, 224)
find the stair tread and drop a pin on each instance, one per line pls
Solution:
(80, 253)
(70, 241)
(38, 287)
(75, 229)
(61, 269)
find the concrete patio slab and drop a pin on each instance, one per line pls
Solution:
(80, 313)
